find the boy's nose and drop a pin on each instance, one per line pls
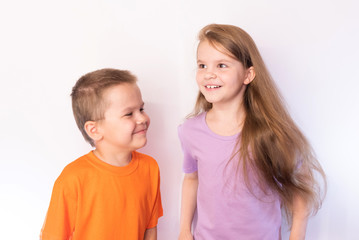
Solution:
(141, 120)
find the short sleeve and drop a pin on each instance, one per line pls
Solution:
(60, 218)
(189, 162)
(157, 211)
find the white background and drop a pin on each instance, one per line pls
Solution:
(310, 47)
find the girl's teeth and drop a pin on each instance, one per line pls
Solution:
(212, 86)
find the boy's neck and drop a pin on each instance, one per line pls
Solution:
(117, 159)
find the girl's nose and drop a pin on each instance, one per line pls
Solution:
(210, 75)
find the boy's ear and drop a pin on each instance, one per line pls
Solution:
(92, 130)
(251, 74)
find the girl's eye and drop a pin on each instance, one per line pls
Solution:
(128, 114)
(221, 65)
(202, 66)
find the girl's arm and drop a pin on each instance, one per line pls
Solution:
(151, 234)
(188, 205)
(300, 219)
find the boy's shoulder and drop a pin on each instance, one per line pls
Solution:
(79, 163)
(145, 159)
(76, 167)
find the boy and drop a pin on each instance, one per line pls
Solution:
(113, 192)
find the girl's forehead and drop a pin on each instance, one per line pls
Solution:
(208, 44)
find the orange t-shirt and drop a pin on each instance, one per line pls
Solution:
(94, 200)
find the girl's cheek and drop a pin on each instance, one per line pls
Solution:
(198, 78)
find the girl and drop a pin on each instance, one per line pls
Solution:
(244, 157)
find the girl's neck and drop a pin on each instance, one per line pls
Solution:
(226, 120)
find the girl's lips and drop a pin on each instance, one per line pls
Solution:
(212, 87)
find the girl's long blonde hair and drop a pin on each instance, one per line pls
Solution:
(270, 141)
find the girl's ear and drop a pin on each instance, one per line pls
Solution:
(251, 74)
(92, 130)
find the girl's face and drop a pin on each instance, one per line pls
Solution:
(221, 78)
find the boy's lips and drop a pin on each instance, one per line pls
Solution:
(140, 131)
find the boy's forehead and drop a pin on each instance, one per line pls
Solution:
(125, 95)
(121, 89)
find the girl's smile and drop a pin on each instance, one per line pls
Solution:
(220, 77)
(212, 86)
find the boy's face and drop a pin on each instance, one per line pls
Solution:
(125, 123)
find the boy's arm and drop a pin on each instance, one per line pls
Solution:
(61, 214)
(151, 234)
(300, 219)
(188, 205)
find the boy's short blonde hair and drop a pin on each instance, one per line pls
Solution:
(88, 95)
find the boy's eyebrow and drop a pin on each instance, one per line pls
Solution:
(131, 108)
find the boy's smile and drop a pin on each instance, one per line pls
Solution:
(125, 123)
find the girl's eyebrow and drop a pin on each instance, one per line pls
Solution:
(219, 60)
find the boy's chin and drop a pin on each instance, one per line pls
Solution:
(141, 144)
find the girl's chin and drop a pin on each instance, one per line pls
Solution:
(211, 99)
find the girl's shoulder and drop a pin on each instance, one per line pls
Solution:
(195, 121)
(192, 125)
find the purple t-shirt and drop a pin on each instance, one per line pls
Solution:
(226, 209)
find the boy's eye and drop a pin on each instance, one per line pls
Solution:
(128, 114)
(221, 65)
(202, 66)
